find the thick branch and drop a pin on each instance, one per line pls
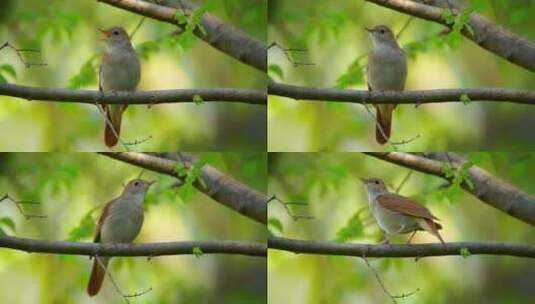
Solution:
(487, 188)
(218, 34)
(400, 251)
(220, 187)
(149, 250)
(145, 97)
(402, 97)
(487, 34)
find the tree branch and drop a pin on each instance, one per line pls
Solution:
(402, 97)
(145, 97)
(400, 251)
(149, 249)
(486, 187)
(220, 187)
(486, 34)
(221, 36)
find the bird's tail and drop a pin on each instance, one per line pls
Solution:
(114, 117)
(431, 227)
(384, 122)
(97, 275)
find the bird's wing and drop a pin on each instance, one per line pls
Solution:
(404, 205)
(100, 222)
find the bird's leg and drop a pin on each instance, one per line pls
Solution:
(385, 240)
(412, 235)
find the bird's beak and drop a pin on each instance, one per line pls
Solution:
(106, 34)
(363, 180)
(369, 30)
(152, 182)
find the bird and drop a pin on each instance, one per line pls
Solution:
(120, 222)
(396, 214)
(120, 70)
(386, 71)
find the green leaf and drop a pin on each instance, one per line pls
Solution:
(85, 227)
(147, 48)
(275, 224)
(2, 79)
(448, 16)
(197, 99)
(465, 99)
(86, 76)
(465, 252)
(197, 252)
(353, 75)
(9, 70)
(277, 70)
(7, 222)
(352, 230)
(180, 169)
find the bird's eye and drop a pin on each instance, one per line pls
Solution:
(382, 31)
(377, 182)
(136, 183)
(116, 33)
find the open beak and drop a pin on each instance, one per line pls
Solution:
(105, 34)
(369, 30)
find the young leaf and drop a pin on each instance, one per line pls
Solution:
(7, 222)
(197, 252)
(197, 99)
(275, 224)
(276, 70)
(465, 252)
(465, 99)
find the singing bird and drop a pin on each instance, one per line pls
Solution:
(120, 70)
(387, 71)
(120, 222)
(396, 214)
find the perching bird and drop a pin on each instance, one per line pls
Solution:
(120, 71)
(387, 71)
(120, 222)
(396, 214)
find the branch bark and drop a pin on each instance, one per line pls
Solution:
(220, 187)
(148, 250)
(219, 35)
(400, 251)
(487, 34)
(248, 96)
(402, 97)
(487, 188)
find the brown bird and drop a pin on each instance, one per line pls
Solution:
(396, 214)
(120, 71)
(120, 222)
(387, 71)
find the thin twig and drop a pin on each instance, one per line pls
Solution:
(108, 122)
(21, 58)
(116, 286)
(405, 26)
(405, 179)
(137, 27)
(18, 203)
(287, 52)
(383, 287)
(294, 216)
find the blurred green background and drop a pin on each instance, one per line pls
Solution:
(337, 201)
(66, 33)
(72, 188)
(333, 33)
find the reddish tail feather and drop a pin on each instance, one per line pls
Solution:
(385, 121)
(97, 276)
